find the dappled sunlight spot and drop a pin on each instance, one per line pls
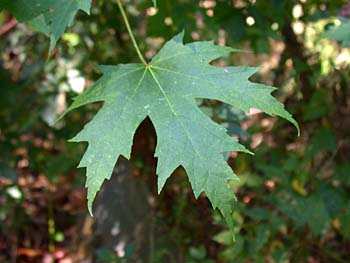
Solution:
(14, 192)
(23, 163)
(274, 26)
(168, 21)
(120, 249)
(270, 185)
(246, 199)
(210, 12)
(298, 27)
(200, 23)
(222, 38)
(65, 260)
(250, 21)
(257, 139)
(115, 230)
(21, 151)
(60, 103)
(59, 254)
(298, 11)
(239, 4)
(343, 59)
(337, 22)
(72, 39)
(149, 54)
(76, 80)
(152, 11)
(207, 4)
(289, 64)
(233, 154)
(154, 43)
(195, 35)
(267, 123)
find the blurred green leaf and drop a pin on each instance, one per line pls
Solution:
(7, 172)
(339, 33)
(319, 105)
(258, 213)
(314, 211)
(343, 173)
(107, 255)
(323, 140)
(262, 233)
(198, 253)
(345, 223)
(333, 198)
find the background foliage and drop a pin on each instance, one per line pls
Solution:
(293, 196)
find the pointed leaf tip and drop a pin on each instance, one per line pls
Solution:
(90, 208)
(179, 37)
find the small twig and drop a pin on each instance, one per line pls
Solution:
(8, 26)
(51, 223)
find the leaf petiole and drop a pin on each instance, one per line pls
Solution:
(127, 24)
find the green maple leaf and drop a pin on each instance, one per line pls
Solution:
(51, 17)
(165, 91)
(25, 10)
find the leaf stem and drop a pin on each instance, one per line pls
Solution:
(127, 24)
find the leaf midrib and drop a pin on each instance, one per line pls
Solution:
(176, 116)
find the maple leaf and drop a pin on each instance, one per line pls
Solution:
(165, 90)
(50, 17)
